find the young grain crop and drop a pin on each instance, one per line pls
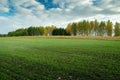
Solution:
(54, 58)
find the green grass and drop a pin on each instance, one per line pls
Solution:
(59, 59)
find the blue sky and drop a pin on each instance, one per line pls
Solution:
(48, 4)
(16, 14)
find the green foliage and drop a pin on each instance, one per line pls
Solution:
(101, 29)
(59, 31)
(50, 59)
(74, 29)
(68, 29)
(88, 28)
(3, 35)
(33, 31)
(109, 28)
(49, 29)
(96, 27)
(117, 29)
(91, 28)
(81, 28)
(18, 32)
(41, 30)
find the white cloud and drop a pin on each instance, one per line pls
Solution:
(31, 12)
(4, 6)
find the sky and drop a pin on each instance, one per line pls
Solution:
(16, 14)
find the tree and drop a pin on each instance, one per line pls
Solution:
(84, 27)
(68, 29)
(80, 28)
(48, 30)
(59, 31)
(96, 23)
(18, 32)
(36, 31)
(41, 30)
(109, 28)
(92, 24)
(74, 29)
(117, 29)
(88, 28)
(30, 31)
(3, 35)
(101, 29)
(52, 27)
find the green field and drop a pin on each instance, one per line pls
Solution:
(59, 59)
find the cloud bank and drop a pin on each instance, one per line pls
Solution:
(24, 13)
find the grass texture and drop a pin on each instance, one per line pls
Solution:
(59, 59)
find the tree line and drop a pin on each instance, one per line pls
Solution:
(38, 31)
(81, 28)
